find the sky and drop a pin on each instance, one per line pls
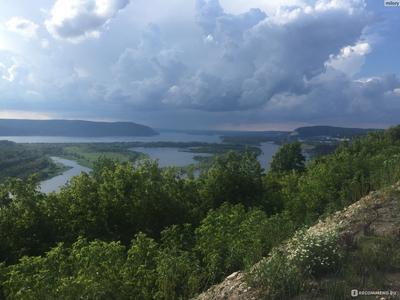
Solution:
(202, 64)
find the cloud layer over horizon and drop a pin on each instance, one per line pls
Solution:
(297, 64)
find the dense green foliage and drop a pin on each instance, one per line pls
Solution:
(22, 161)
(288, 158)
(140, 232)
(307, 255)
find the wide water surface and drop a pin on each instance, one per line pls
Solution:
(177, 158)
(165, 156)
(162, 137)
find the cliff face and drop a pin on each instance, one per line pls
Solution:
(375, 218)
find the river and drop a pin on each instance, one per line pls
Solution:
(165, 156)
(54, 184)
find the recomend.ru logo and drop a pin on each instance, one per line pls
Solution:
(354, 293)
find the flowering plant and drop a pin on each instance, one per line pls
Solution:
(315, 252)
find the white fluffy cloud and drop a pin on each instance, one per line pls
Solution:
(16, 71)
(23, 27)
(240, 6)
(350, 59)
(77, 20)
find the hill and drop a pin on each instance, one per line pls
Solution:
(364, 255)
(312, 134)
(330, 131)
(75, 128)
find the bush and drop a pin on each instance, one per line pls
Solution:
(307, 255)
(179, 275)
(231, 238)
(86, 271)
(315, 253)
(288, 158)
(234, 178)
(139, 272)
(276, 277)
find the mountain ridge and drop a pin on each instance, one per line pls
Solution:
(72, 128)
(331, 131)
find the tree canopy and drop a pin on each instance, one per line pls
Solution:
(288, 158)
(141, 232)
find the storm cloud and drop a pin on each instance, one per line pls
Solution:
(297, 64)
(251, 58)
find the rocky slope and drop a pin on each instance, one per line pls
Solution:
(376, 215)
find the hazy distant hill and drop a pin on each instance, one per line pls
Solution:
(330, 131)
(10, 127)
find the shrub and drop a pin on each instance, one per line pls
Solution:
(276, 277)
(315, 253)
(85, 271)
(307, 255)
(139, 272)
(231, 238)
(234, 178)
(179, 275)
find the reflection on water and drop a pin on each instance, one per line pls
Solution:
(54, 184)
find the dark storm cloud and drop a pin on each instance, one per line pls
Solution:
(283, 65)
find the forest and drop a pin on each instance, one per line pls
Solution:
(22, 161)
(129, 231)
